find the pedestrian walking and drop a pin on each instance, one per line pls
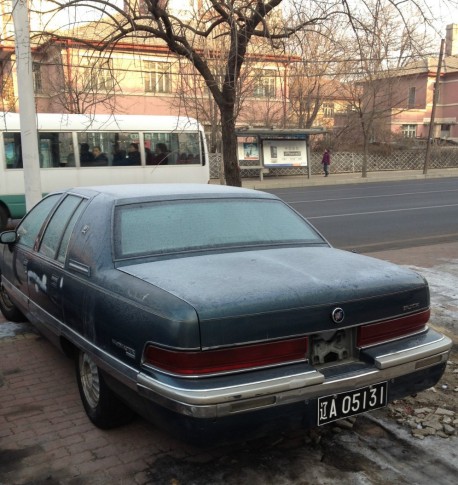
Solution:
(326, 161)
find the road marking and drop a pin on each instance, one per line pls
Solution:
(398, 241)
(372, 196)
(381, 212)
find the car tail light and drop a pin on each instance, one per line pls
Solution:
(225, 360)
(391, 329)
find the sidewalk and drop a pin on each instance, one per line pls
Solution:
(45, 436)
(287, 181)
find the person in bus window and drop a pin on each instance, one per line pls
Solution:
(160, 156)
(119, 156)
(133, 155)
(149, 156)
(100, 159)
(86, 157)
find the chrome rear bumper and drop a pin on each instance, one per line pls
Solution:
(218, 397)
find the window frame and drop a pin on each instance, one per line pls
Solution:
(328, 110)
(98, 74)
(409, 130)
(37, 77)
(265, 83)
(157, 77)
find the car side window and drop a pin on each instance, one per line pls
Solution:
(57, 224)
(30, 226)
(61, 255)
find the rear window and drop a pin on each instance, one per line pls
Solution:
(187, 225)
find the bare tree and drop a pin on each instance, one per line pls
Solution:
(385, 44)
(237, 22)
(193, 95)
(185, 28)
(314, 77)
(83, 85)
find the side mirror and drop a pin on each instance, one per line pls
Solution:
(8, 237)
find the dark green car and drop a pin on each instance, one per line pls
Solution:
(218, 313)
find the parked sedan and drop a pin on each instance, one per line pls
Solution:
(218, 313)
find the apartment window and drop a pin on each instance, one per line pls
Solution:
(99, 74)
(409, 131)
(158, 77)
(445, 131)
(411, 100)
(36, 74)
(265, 83)
(328, 110)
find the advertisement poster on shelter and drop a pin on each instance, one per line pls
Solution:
(285, 153)
(248, 150)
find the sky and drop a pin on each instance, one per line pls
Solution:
(443, 12)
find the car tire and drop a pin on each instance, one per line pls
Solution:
(102, 405)
(8, 308)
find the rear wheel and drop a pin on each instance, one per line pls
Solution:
(101, 404)
(8, 308)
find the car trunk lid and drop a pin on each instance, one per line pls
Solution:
(255, 295)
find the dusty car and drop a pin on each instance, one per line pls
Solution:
(217, 313)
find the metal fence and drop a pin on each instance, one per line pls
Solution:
(344, 162)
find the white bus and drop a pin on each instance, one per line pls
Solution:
(78, 150)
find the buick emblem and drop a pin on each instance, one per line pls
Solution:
(337, 315)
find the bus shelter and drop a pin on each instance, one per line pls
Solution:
(264, 148)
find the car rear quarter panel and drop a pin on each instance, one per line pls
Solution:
(117, 312)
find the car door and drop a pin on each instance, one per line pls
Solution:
(47, 265)
(17, 258)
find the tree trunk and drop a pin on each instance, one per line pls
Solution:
(231, 164)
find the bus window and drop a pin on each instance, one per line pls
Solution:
(116, 146)
(188, 144)
(172, 148)
(13, 153)
(55, 150)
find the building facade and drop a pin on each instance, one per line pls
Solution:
(418, 86)
(141, 76)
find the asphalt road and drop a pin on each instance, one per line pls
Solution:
(380, 216)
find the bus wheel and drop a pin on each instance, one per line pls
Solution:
(8, 308)
(4, 216)
(101, 404)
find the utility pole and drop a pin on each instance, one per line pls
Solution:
(27, 111)
(433, 109)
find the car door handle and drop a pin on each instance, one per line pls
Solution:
(55, 280)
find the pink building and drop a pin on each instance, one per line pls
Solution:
(412, 118)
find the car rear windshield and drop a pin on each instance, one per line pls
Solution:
(188, 225)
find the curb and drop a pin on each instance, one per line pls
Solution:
(291, 181)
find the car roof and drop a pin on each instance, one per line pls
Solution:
(168, 191)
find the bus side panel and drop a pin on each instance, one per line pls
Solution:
(12, 191)
(15, 205)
